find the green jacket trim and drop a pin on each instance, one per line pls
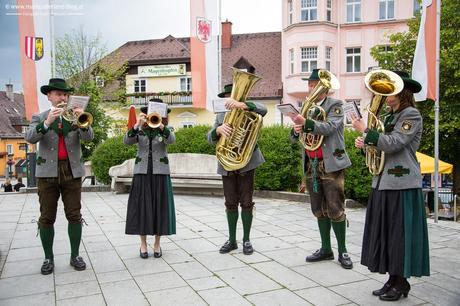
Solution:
(309, 126)
(137, 160)
(40, 128)
(164, 160)
(372, 138)
(132, 132)
(251, 106)
(214, 135)
(166, 132)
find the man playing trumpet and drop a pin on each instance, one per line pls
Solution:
(59, 171)
(324, 171)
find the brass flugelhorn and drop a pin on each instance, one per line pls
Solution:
(82, 120)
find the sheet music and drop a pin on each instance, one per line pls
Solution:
(351, 110)
(288, 109)
(78, 101)
(219, 105)
(159, 108)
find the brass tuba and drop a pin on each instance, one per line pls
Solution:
(82, 120)
(381, 83)
(235, 152)
(315, 112)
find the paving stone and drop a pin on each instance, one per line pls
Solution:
(435, 294)
(77, 289)
(247, 280)
(123, 293)
(74, 277)
(276, 297)
(322, 296)
(329, 273)
(253, 258)
(90, 300)
(205, 283)
(223, 297)
(19, 268)
(177, 296)
(106, 261)
(30, 300)
(176, 256)
(193, 246)
(114, 276)
(159, 281)
(25, 254)
(140, 266)
(284, 276)
(29, 284)
(191, 270)
(214, 261)
(288, 257)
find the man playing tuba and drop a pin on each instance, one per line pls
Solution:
(238, 184)
(324, 171)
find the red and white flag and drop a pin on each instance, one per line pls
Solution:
(204, 42)
(35, 51)
(424, 65)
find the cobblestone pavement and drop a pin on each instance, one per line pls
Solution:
(191, 271)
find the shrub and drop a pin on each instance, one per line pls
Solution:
(192, 140)
(283, 160)
(110, 153)
(357, 177)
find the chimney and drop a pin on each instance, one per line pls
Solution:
(9, 92)
(226, 34)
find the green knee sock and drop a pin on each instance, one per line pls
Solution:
(325, 232)
(47, 237)
(232, 219)
(74, 231)
(246, 217)
(339, 230)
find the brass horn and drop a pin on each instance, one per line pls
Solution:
(235, 152)
(82, 120)
(312, 111)
(153, 120)
(382, 83)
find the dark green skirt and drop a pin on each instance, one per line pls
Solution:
(395, 237)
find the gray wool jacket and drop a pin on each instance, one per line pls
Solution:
(400, 142)
(335, 156)
(257, 158)
(47, 139)
(160, 142)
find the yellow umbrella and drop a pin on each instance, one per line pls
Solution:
(427, 164)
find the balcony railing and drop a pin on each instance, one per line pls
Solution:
(173, 99)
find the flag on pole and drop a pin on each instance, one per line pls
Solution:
(204, 42)
(132, 119)
(424, 65)
(35, 52)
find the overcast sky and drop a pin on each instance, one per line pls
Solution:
(119, 21)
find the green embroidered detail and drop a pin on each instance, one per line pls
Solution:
(309, 126)
(151, 133)
(40, 128)
(339, 153)
(40, 160)
(406, 126)
(398, 171)
(164, 160)
(132, 132)
(138, 160)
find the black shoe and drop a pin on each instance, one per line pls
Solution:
(319, 255)
(345, 261)
(157, 254)
(143, 255)
(247, 248)
(228, 246)
(78, 263)
(395, 293)
(386, 287)
(47, 266)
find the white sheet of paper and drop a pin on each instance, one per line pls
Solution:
(159, 108)
(218, 105)
(78, 101)
(351, 110)
(288, 109)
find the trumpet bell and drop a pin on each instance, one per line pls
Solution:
(84, 120)
(154, 120)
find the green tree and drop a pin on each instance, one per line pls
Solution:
(79, 60)
(401, 57)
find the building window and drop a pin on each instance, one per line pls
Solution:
(291, 61)
(353, 10)
(416, 7)
(309, 58)
(9, 149)
(353, 59)
(329, 10)
(358, 104)
(290, 12)
(24, 129)
(139, 85)
(328, 58)
(186, 84)
(187, 124)
(387, 9)
(308, 10)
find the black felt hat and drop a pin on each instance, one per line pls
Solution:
(227, 90)
(409, 83)
(56, 84)
(314, 76)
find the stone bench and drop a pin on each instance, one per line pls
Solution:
(190, 172)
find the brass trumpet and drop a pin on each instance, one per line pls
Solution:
(82, 120)
(153, 120)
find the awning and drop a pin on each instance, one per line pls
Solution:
(427, 164)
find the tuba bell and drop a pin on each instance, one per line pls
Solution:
(235, 152)
(382, 83)
(315, 112)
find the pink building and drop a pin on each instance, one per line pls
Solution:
(337, 35)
